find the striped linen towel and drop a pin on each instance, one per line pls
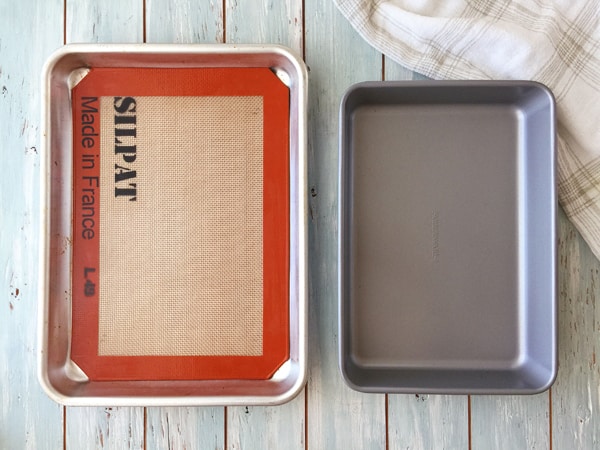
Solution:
(554, 42)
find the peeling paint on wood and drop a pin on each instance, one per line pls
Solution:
(184, 21)
(185, 428)
(261, 427)
(104, 21)
(265, 22)
(104, 428)
(500, 422)
(423, 422)
(576, 392)
(29, 32)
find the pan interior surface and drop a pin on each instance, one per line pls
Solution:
(448, 280)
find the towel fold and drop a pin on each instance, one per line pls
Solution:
(554, 42)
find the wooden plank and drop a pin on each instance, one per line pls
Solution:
(499, 422)
(182, 21)
(29, 32)
(425, 421)
(267, 427)
(270, 22)
(393, 71)
(576, 394)
(280, 426)
(91, 427)
(104, 21)
(178, 428)
(428, 422)
(337, 416)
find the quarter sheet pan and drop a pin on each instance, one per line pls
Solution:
(60, 350)
(447, 237)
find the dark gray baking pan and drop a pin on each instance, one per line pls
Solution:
(447, 239)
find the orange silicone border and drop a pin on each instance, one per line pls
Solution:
(190, 82)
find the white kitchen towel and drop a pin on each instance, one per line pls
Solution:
(555, 42)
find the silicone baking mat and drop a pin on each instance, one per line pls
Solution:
(180, 223)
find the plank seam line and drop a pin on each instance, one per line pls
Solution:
(64, 427)
(144, 21)
(469, 421)
(387, 427)
(550, 418)
(306, 415)
(224, 21)
(303, 43)
(225, 443)
(145, 442)
(64, 22)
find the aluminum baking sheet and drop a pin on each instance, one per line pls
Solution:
(193, 298)
(447, 237)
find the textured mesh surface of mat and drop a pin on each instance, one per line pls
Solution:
(181, 262)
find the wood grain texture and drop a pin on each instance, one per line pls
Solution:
(184, 21)
(185, 428)
(499, 422)
(100, 428)
(104, 21)
(392, 71)
(271, 22)
(576, 392)
(29, 32)
(338, 418)
(271, 427)
(422, 422)
(517, 422)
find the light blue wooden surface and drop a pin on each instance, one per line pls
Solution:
(29, 30)
(326, 415)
